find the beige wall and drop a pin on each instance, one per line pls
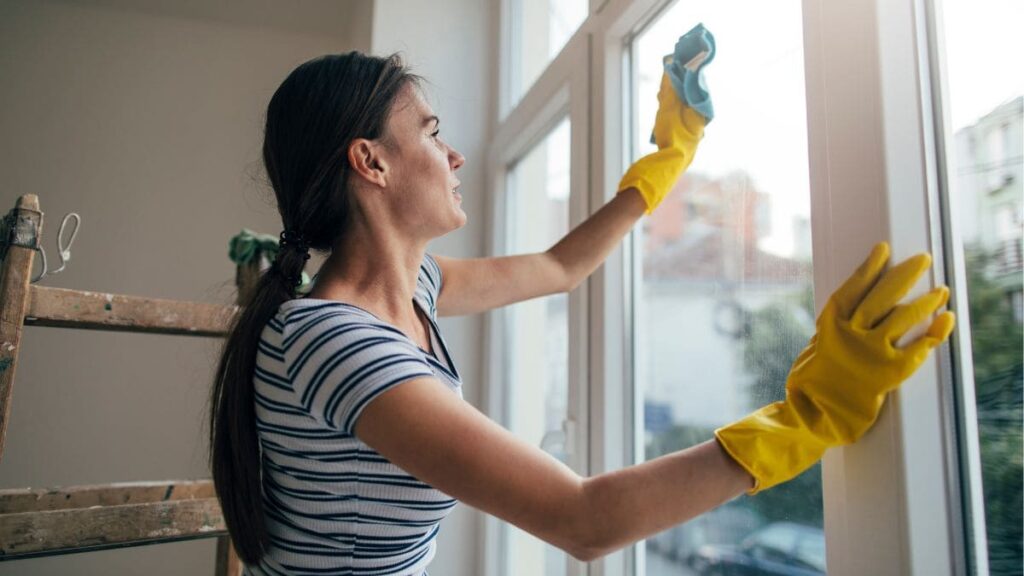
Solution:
(453, 43)
(145, 117)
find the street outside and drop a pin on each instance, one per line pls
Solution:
(658, 565)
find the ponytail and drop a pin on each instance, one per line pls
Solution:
(234, 443)
(311, 120)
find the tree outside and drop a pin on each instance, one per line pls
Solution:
(998, 344)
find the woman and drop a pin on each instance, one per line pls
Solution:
(339, 439)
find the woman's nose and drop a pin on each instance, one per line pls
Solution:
(456, 159)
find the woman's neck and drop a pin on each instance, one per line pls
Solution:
(378, 274)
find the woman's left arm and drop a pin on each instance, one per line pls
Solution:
(479, 284)
(475, 285)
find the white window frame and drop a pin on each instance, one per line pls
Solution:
(560, 92)
(874, 175)
(898, 502)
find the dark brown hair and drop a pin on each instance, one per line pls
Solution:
(312, 118)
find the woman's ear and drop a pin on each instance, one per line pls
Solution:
(365, 159)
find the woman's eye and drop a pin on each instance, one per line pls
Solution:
(435, 133)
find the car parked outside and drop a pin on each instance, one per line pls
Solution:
(778, 549)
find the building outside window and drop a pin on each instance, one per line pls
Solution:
(988, 184)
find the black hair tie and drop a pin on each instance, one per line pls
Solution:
(292, 239)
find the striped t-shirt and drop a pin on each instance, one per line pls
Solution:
(332, 504)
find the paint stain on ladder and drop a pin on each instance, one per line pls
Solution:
(5, 363)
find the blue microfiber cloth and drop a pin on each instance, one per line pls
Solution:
(685, 69)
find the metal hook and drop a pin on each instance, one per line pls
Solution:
(63, 251)
(42, 272)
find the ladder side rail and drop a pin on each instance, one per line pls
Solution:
(15, 275)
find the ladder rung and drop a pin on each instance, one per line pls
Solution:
(103, 311)
(14, 500)
(97, 527)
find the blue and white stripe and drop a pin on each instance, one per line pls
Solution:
(334, 505)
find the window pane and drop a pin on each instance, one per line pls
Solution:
(985, 168)
(537, 372)
(540, 28)
(725, 298)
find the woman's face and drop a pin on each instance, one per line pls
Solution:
(422, 180)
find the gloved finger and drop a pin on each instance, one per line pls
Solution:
(889, 290)
(669, 106)
(906, 316)
(665, 90)
(849, 295)
(943, 326)
(693, 123)
(937, 333)
(671, 127)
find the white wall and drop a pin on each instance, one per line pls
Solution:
(453, 43)
(145, 117)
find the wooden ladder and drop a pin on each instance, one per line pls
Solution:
(44, 522)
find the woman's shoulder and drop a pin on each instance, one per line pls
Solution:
(312, 322)
(429, 268)
(305, 313)
(338, 356)
(428, 284)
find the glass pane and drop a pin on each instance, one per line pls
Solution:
(725, 297)
(537, 369)
(985, 169)
(540, 28)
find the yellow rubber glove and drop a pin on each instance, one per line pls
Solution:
(677, 130)
(838, 384)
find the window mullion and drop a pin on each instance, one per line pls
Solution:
(889, 493)
(612, 423)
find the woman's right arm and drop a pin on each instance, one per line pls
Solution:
(834, 394)
(432, 434)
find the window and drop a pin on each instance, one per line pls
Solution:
(536, 369)
(724, 286)
(820, 130)
(540, 29)
(988, 106)
(537, 350)
(1007, 228)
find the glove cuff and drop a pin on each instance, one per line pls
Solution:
(655, 175)
(775, 443)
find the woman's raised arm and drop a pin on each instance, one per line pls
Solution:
(479, 284)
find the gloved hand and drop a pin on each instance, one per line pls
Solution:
(677, 130)
(838, 384)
